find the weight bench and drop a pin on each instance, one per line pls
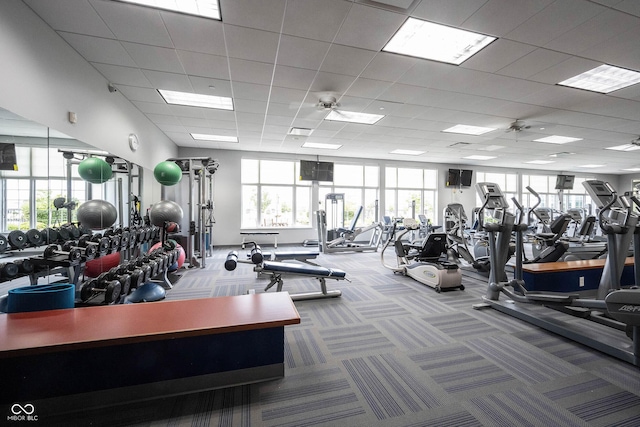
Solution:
(276, 270)
(244, 234)
(300, 256)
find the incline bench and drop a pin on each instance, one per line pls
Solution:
(570, 276)
(74, 359)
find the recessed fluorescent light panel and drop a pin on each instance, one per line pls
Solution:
(436, 42)
(632, 169)
(603, 79)
(591, 166)
(300, 131)
(556, 139)
(353, 117)
(196, 100)
(625, 147)
(561, 154)
(205, 8)
(219, 138)
(321, 145)
(407, 152)
(540, 162)
(468, 130)
(479, 157)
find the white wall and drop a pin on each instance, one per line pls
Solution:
(42, 79)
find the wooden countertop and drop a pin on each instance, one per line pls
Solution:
(551, 267)
(55, 330)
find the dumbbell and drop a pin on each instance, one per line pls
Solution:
(137, 278)
(103, 242)
(90, 248)
(34, 237)
(231, 262)
(3, 243)
(25, 266)
(8, 270)
(74, 254)
(17, 239)
(49, 235)
(124, 239)
(91, 288)
(74, 230)
(64, 234)
(89, 252)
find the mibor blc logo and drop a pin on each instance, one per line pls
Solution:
(22, 412)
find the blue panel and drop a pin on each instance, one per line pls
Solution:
(27, 378)
(569, 281)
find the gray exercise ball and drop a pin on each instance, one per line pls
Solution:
(165, 210)
(97, 214)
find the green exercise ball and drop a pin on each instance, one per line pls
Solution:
(167, 173)
(95, 170)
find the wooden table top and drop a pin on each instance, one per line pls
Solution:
(54, 330)
(551, 267)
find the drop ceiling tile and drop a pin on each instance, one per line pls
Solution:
(209, 86)
(388, 66)
(554, 20)
(213, 114)
(564, 70)
(447, 12)
(347, 60)
(153, 108)
(367, 88)
(168, 81)
(250, 91)
(250, 44)
(284, 95)
(123, 75)
(368, 27)
(301, 53)
(187, 111)
(498, 17)
(134, 23)
(330, 82)
(296, 78)
(315, 20)
(535, 62)
(154, 58)
(250, 71)
(96, 49)
(204, 65)
(249, 106)
(195, 34)
(622, 50)
(259, 14)
(163, 119)
(72, 16)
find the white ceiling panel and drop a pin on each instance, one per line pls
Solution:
(96, 49)
(72, 16)
(134, 23)
(277, 58)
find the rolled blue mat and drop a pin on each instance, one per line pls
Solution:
(41, 297)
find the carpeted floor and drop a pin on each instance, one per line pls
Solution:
(392, 352)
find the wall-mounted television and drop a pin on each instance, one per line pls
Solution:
(311, 170)
(459, 177)
(564, 182)
(8, 159)
(465, 177)
(453, 178)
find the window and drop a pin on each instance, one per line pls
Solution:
(359, 184)
(411, 192)
(272, 195)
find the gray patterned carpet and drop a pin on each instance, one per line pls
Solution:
(392, 352)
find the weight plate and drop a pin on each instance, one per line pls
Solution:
(75, 231)
(125, 282)
(86, 291)
(63, 234)
(51, 251)
(17, 239)
(90, 251)
(9, 270)
(75, 254)
(49, 235)
(34, 237)
(113, 292)
(3, 243)
(25, 265)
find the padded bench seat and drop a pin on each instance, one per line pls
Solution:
(306, 270)
(244, 235)
(65, 360)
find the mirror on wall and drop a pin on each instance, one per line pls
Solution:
(40, 178)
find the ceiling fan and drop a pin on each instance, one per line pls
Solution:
(517, 126)
(327, 102)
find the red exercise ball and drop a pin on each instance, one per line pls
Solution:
(181, 257)
(100, 265)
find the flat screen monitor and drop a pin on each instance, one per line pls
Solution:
(316, 171)
(564, 182)
(465, 177)
(8, 159)
(453, 178)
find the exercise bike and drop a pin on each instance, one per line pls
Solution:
(613, 317)
(422, 263)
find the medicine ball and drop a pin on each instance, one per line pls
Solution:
(95, 170)
(97, 214)
(167, 173)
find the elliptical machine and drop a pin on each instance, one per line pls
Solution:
(422, 262)
(616, 310)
